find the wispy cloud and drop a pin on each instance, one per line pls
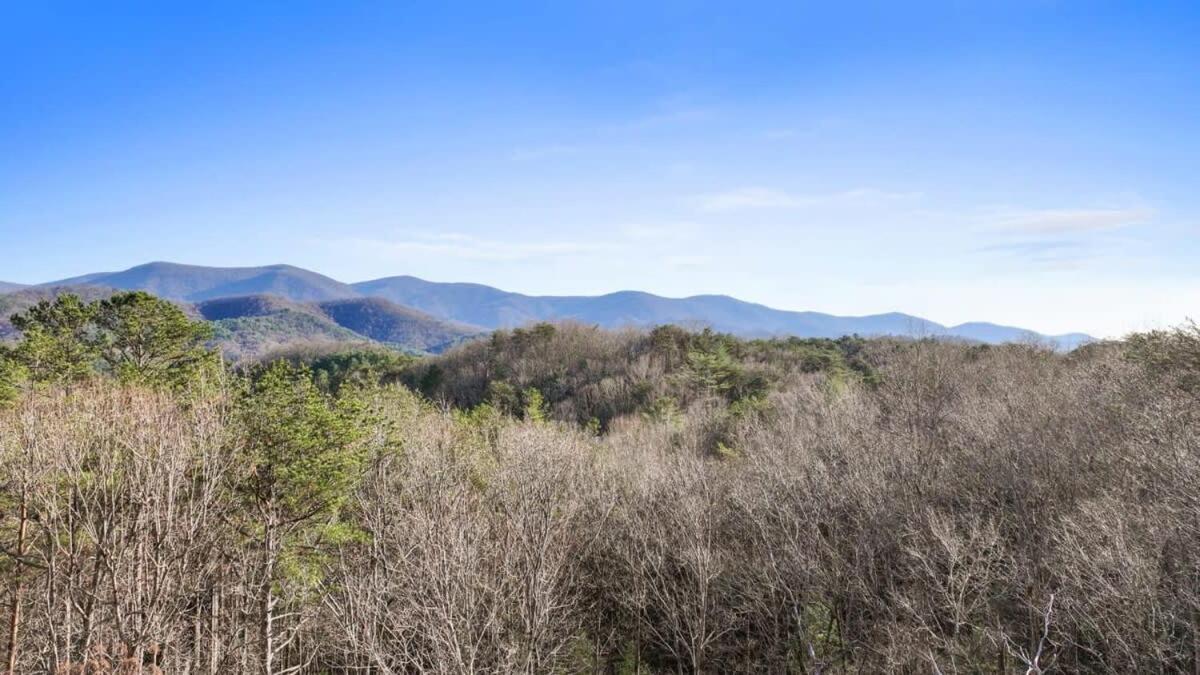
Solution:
(544, 151)
(672, 116)
(812, 128)
(1058, 254)
(1071, 221)
(768, 198)
(748, 198)
(1035, 247)
(468, 247)
(1062, 238)
(665, 231)
(681, 261)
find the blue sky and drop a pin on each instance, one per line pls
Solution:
(1030, 163)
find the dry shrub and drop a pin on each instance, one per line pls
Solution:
(977, 509)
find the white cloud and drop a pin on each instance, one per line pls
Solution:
(748, 198)
(688, 260)
(667, 231)
(1063, 239)
(1071, 221)
(672, 116)
(1048, 253)
(767, 198)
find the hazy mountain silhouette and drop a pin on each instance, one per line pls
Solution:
(492, 308)
(476, 305)
(195, 283)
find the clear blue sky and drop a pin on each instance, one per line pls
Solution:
(1032, 163)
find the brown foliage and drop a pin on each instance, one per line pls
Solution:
(978, 509)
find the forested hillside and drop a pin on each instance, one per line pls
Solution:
(566, 499)
(590, 376)
(247, 327)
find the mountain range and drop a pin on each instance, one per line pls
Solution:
(273, 302)
(249, 326)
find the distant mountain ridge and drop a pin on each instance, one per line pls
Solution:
(492, 308)
(193, 283)
(485, 307)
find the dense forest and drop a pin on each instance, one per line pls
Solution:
(562, 498)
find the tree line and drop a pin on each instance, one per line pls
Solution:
(566, 499)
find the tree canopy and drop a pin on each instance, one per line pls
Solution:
(135, 337)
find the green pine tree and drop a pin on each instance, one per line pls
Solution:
(300, 458)
(141, 338)
(57, 340)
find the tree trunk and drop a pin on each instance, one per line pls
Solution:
(214, 648)
(268, 629)
(267, 626)
(14, 620)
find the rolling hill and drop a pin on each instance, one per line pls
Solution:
(250, 326)
(248, 337)
(256, 324)
(249, 306)
(194, 283)
(8, 287)
(476, 305)
(253, 325)
(385, 321)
